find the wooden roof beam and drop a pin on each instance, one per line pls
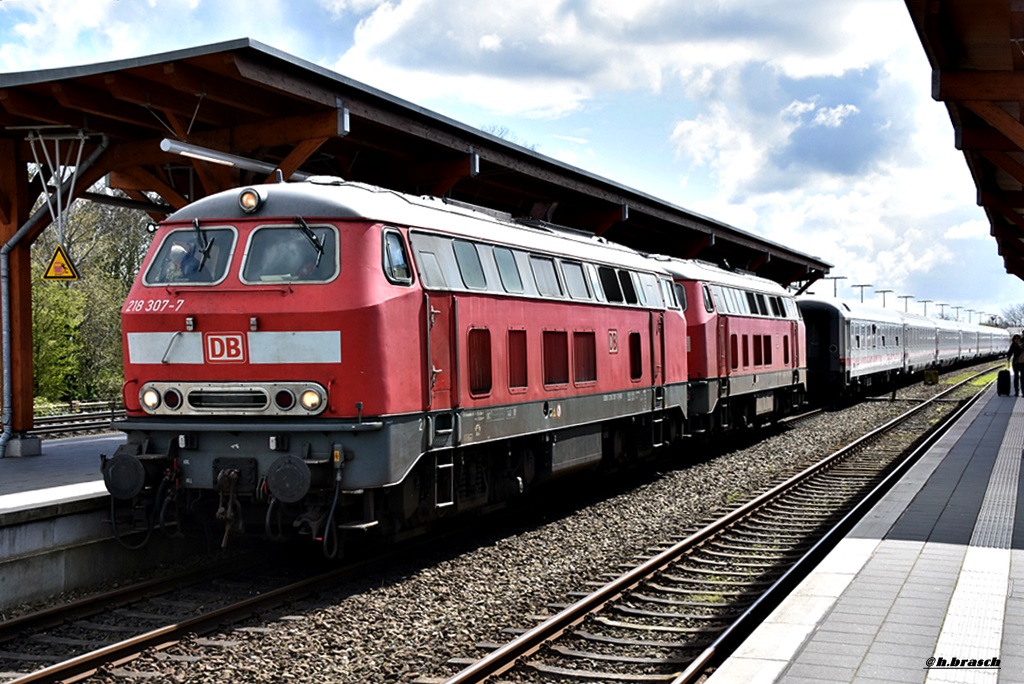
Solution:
(99, 103)
(962, 86)
(156, 97)
(1007, 164)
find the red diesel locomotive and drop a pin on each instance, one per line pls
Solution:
(325, 356)
(745, 347)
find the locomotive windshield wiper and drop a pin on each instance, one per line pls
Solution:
(311, 236)
(204, 244)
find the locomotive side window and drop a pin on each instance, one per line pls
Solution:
(396, 260)
(197, 256)
(709, 306)
(628, 291)
(290, 253)
(479, 352)
(584, 348)
(508, 271)
(517, 376)
(610, 284)
(575, 281)
(556, 357)
(734, 351)
(470, 267)
(544, 274)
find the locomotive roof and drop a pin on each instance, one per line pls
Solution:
(710, 273)
(332, 198)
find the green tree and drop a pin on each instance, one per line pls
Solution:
(76, 324)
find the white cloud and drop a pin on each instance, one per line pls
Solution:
(969, 230)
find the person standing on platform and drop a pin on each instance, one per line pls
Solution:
(1015, 355)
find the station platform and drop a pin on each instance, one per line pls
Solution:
(928, 587)
(66, 470)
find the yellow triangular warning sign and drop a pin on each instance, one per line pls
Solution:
(60, 267)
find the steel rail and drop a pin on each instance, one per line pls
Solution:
(745, 623)
(506, 656)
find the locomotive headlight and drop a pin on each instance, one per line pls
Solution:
(249, 200)
(150, 398)
(311, 400)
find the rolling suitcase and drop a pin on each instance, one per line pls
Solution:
(1003, 383)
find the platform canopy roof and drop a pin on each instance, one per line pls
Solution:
(976, 50)
(262, 105)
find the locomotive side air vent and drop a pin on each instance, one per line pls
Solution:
(240, 399)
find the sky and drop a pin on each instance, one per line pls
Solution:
(807, 122)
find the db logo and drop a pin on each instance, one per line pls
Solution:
(224, 347)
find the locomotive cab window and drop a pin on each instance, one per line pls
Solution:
(296, 253)
(396, 260)
(193, 256)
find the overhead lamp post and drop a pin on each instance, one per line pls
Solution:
(835, 283)
(862, 290)
(925, 302)
(957, 309)
(883, 293)
(906, 301)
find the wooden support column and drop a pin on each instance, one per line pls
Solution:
(17, 207)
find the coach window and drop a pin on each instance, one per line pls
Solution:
(479, 353)
(610, 284)
(544, 274)
(575, 281)
(470, 267)
(508, 271)
(396, 260)
(291, 253)
(556, 357)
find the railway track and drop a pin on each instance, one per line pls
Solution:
(63, 425)
(677, 613)
(72, 642)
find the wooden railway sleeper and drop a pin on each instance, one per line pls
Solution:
(690, 604)
(661, 615)
(669, 629)
(729, 551)
(644, 643)
(718, 583)
(606, 676)
(607, 657)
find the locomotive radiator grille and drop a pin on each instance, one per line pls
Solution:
(251, 399)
